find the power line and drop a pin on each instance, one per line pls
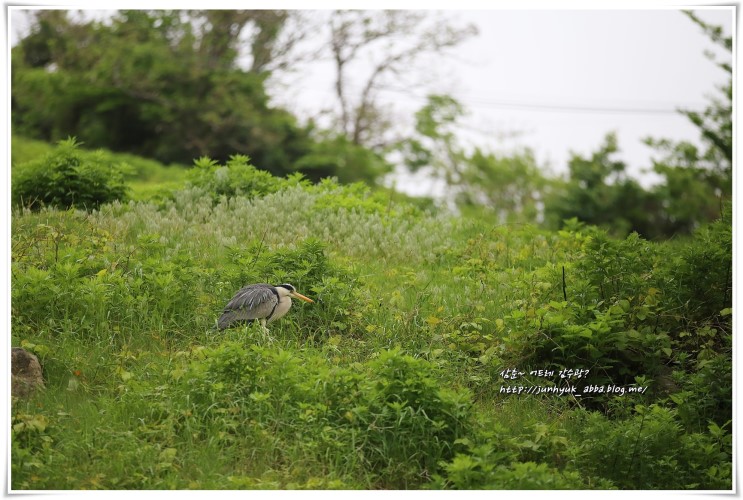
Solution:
(573, 108)
(554, 107)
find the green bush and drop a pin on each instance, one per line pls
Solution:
(520, 457)
(650, 450)
(466, 472)
(339, 157)
(306, 265)
(597, 310)
(388, 416)
(703, 392)
(68, 178)
(356, 197)
(237, 177)
(413, 421)
(31, 440)
(633, 312)
(700, 272)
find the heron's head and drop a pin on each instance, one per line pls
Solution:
(288, 290)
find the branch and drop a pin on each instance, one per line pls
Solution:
(433, 40)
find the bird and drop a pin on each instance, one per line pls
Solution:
(260, 301)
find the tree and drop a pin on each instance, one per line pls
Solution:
(273, 37)
(598, 191)
(509, 186)
(435, 144)
(333, 155)
(162, 84)
(696, 181)
(392, 40)
(512, 186)
(716, 121)
(699, 181)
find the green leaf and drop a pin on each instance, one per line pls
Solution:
(124, 375)
(433, 320)
(168, 455)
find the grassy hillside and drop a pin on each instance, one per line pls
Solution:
(395, 378)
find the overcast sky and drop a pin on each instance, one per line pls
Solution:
(562, 79)
(557, 79)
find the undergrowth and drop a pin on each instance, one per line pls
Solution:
(396, 377)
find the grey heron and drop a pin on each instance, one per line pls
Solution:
(262, 302)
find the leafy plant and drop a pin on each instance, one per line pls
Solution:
(32, 442)
(237, 177)
(650, 451)
(391, 417)
(66, 178)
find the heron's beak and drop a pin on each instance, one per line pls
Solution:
(299, 296)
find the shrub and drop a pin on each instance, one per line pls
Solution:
(699, 279)
(705, 393)
(310, 270)
(238, 177)
(650, 450)
(633, 310)
(488, 466)
(31, 442)
(532, 476)
(339, 157)
(413, 423)
(72, 275)
(358, 197)
(609, 324)
(68, 178)
(388, 416)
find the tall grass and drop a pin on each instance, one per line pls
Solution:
(392, 379)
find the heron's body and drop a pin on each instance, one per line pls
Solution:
(261, 301)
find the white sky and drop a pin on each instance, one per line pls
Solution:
(555, 78)
(552, 77)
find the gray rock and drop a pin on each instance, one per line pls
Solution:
(25, 373)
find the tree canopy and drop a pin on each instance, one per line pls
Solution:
(162, 84)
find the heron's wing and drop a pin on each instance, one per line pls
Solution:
(252, 297)
(251, 302)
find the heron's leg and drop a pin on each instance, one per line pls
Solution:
(266, 333)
